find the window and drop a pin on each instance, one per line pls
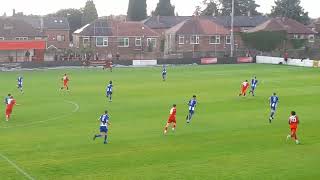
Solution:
(228, 39)
(21, 38)
(38, 38)
(311, 38)
(86, 41)
(181, 39)
(214, 40)
(195, 39)
(1, 38)
(138, 41)
(123, 42)
(302, 36)
(295, 36)
(152, 41)
(102, 41)
(60, 38)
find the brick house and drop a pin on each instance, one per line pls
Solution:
(198, 35)
(132, 40)
(56, 29)
(20, 41)
(294, 29)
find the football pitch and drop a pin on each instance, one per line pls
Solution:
(50, 133)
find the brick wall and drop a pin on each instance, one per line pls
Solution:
(52, 38)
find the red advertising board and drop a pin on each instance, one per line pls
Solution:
(209, 60)
(22, 45)
(245, 59)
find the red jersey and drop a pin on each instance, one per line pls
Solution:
(245, 85)
(293, 122)
(11, 103)
(65, 79)
(173, 113)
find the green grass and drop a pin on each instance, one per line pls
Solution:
(229, 138)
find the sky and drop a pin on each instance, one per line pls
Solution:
(116, 7)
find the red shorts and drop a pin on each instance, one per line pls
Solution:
(8, 112)
(172, 120)
(65, 84)
(293, 130)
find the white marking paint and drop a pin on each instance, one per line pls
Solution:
(77, 107)
(17, 167)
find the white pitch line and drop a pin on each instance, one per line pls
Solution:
(77, 107)
(17, 167)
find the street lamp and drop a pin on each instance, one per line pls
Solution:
(142, 42)
(232, 29)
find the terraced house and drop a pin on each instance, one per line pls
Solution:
(130, 40)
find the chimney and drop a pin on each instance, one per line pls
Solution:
(13, 12)
(158, 18)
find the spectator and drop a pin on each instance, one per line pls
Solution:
(27, 56)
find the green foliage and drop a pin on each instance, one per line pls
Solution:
(264, 40)
(291, 9)
(137, 10)
(241, 7)
(298, 43)
(211, 8)
(164, 8)
(89, 13)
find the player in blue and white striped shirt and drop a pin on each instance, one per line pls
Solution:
(254, 83)
(20, 83)
(164, 72)
(274, 100)
(109, 91)
(104, 123)
(192, 105)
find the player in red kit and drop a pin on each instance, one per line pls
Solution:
(244, 87)
(65, 80)
(293, 122)
(10, 104)
(172, 119)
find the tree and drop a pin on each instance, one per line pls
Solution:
(241, 7)
(89, 13)
(197, 11)
(264, 40)
(291, 9)
(212, 8)
(74, 17)
(137, 10)
(164, 8)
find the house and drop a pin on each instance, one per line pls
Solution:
(198, 35)
(105, 39)
(20, 41)
(56, 29)
(294, 29)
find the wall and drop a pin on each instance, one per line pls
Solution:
(277, 60)
(52, 38)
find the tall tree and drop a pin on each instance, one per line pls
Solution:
(137, 10)
(164, 8)
(197, 11)
(211, 8)
(89, 13)
(241, 7)
(74, 17)
(291, 9)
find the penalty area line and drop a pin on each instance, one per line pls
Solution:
(17, 167)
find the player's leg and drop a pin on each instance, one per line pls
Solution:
(273, 111)
(190, 116)
(105, 137)
(166, 127)
(174, 126)
(8, 114)
(294, 135)
(110, 96)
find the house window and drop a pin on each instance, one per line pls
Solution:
(86, 41)
(1, 38)
(38, 38)
(181, 39)
(102, 41)
(302, 36)
(152, 42)
(60, 38)
(138, 41)
(21, 38)
(123, 42)
(215, 40)
(228, 39)
(295, 36)
(311, 38)
(195, 39)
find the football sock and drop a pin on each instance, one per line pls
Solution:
(105, 138)
(98, 135)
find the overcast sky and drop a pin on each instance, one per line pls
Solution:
(107, 7)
